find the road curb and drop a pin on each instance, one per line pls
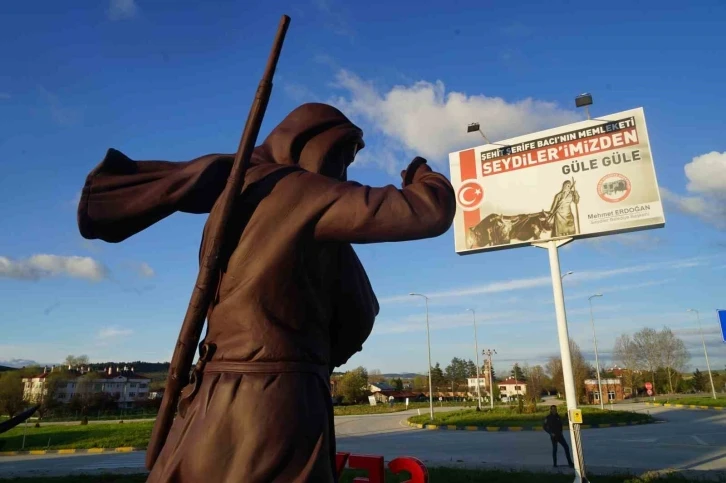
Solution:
(122, 449)
(685, 406)
(494, 429)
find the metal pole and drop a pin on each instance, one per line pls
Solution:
(594, 339)
(428, 342)
(564, 339)
(489, 353)
(705, 352)
(476, 350)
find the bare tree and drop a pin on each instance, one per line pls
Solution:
(674, 354)
(375, 376)
(647, 343)
(75, 361)
(580, 368)
(536, 380)
(625, 352)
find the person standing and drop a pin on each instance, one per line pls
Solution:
(553, 427)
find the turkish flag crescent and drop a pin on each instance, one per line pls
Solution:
(467, 165)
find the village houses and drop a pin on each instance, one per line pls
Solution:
(124, 385)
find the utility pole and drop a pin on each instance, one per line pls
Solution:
(476, 351)
(705, 352)
(488, 353)
(597, 361)
(428, 343)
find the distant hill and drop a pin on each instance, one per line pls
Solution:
(6, 368)
(402, 375)
(17, 363)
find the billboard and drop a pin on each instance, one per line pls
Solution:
(586, 179)
(722, 322)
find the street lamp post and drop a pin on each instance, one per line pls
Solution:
(428, 342)
(597, 361)
(489, 353)
(705, 352)
(566, 274)
(476, 350)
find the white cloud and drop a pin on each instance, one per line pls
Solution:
(534, 282)
(707, 180)
(61, 114)
(299, 92)
(423, 119)
(145, 270)
(707, 173)
(113, 332)
(122, 9)
(335, 18)
(711, 211)
(641, 240)
(417, 322)
(44, 266)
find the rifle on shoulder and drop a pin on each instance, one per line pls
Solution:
(208, 278)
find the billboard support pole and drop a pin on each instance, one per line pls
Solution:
(564, 338)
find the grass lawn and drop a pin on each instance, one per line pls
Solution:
(697, 401)
(381, 408)
(112, 435)
(436, 475)
(357, 409)
(509, 417)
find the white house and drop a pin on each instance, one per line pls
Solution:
(483, 384)
(124, 385)
(511, 387)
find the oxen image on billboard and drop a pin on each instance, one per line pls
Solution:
(586, 179)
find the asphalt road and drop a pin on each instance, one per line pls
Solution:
(689, 440)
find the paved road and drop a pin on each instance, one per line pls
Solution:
(689, 440)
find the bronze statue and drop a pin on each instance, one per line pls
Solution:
(293, 300)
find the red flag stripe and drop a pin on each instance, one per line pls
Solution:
(467, 165)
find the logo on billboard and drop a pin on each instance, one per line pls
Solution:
(470, 196)
(614, 187)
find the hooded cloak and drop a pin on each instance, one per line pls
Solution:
(293, 296)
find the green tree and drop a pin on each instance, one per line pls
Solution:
(11, 393)
(470, 368)
(354, 385)
(456, 373)
(437, 376)
(518, 373)
(397, 383)
(421, 383)
(698, 381)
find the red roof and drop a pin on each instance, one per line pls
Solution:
(511, 380)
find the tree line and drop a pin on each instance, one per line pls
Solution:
(661, 358)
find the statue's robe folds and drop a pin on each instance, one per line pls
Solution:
(293, 302)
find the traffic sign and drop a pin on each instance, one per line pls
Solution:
(648, 386)
(650, 392)
(722, 321)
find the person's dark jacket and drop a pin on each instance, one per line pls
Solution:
(553, 424)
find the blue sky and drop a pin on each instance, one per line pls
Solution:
(173, 80)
